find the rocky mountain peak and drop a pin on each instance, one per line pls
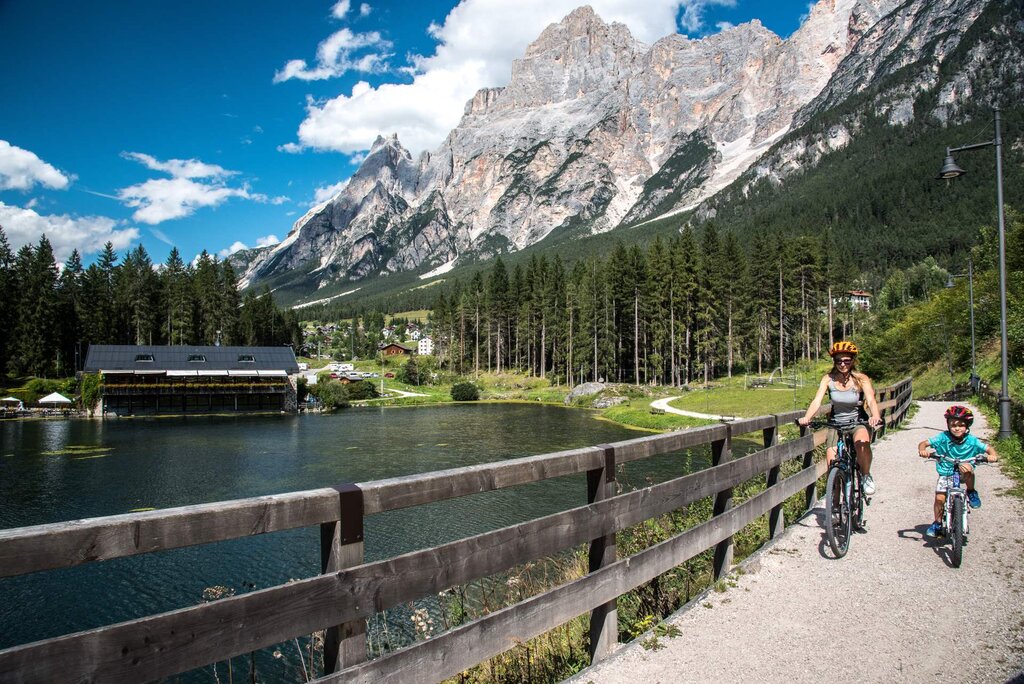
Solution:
(596, 130)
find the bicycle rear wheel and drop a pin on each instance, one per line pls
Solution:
(956, 531)
(838, 521)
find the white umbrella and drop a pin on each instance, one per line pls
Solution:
(55, 398)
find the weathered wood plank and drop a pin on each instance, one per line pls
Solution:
(414, 490)
(65, 544)
(604, 619)
(162, 645)
(455, 651)
(746, 425)
(653, 445)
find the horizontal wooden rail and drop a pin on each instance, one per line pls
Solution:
(65, 544)
(162, 645)
(455, 651)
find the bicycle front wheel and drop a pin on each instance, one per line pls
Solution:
(956, 531)
(837, 506)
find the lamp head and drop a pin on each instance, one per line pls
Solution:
(949, 168)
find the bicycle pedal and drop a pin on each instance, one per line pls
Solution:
(861, 529)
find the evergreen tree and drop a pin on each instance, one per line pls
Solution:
(8, 302)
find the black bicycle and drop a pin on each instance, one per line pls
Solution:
(844, 496)
(956, 512)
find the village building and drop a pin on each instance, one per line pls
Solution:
(153, 379)
(394, 349)
(426, 346)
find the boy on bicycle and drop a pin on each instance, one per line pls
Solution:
(955, 442)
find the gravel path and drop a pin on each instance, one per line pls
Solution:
(663, 405)
(886, 612)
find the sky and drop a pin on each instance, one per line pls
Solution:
(216, 125)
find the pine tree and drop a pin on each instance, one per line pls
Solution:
(69, 309)
(8, 302)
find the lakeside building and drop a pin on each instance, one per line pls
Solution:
(151, 379)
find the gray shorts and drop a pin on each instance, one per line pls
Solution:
(832, 438)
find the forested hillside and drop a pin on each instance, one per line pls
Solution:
(50, 316)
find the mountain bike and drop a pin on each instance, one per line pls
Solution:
(844, 497)
(956, 513)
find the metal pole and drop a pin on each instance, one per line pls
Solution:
(1004, 395)
(970, 291)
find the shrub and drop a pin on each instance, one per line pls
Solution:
(363, 389)
(331, 395)
(90, 390)
(465, 391)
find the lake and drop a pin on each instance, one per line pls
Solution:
(68, 469)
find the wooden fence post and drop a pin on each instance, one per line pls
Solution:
(776, 517)
(880, 432)
(604, 619)
(721, 452)
(810, 494)
(342, 546)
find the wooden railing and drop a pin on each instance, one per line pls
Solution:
(349, 590)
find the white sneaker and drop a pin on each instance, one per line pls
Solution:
(867, 485)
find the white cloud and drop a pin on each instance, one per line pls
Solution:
(163, 199)
(476, 45)
(336, 56)
(161, 236)
(180, 168)
(87, 234)
(235, 247)
(725, 25)
(267, 240)
(326, 192)
(364, 10)
(22, 170)
(340, 9)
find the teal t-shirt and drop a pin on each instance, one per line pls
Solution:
(945, 446)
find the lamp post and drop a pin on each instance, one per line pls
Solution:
(951, 170)
(975, 380)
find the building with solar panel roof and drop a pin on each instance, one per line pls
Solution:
(153, 379)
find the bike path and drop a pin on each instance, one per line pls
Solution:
(893, 609)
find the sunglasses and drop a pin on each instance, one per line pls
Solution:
(844, 362)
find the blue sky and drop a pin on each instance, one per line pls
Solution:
(212, 125)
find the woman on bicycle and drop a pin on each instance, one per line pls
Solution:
(853, 402)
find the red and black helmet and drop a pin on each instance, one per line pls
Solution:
(962, 412)
(843, 347)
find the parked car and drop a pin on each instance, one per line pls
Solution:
(389, 374)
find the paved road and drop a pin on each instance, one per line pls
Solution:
(892, 610)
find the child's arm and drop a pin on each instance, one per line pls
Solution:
(991, 454)
(925, 449)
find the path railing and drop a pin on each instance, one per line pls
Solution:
(349, 591)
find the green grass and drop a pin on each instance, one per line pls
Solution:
(730, 397)
(638, 414)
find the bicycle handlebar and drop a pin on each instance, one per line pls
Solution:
(981, 458)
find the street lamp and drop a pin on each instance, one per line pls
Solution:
(951, 170)
(975, 380)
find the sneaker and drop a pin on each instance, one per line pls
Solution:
(934, 530)
(867, 485)
(974, 499)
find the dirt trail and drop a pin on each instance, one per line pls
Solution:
(892, 610)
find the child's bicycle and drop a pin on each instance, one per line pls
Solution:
(844, 497)
(955, 523)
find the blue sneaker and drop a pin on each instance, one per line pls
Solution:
(974, 499)
(934, 530)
